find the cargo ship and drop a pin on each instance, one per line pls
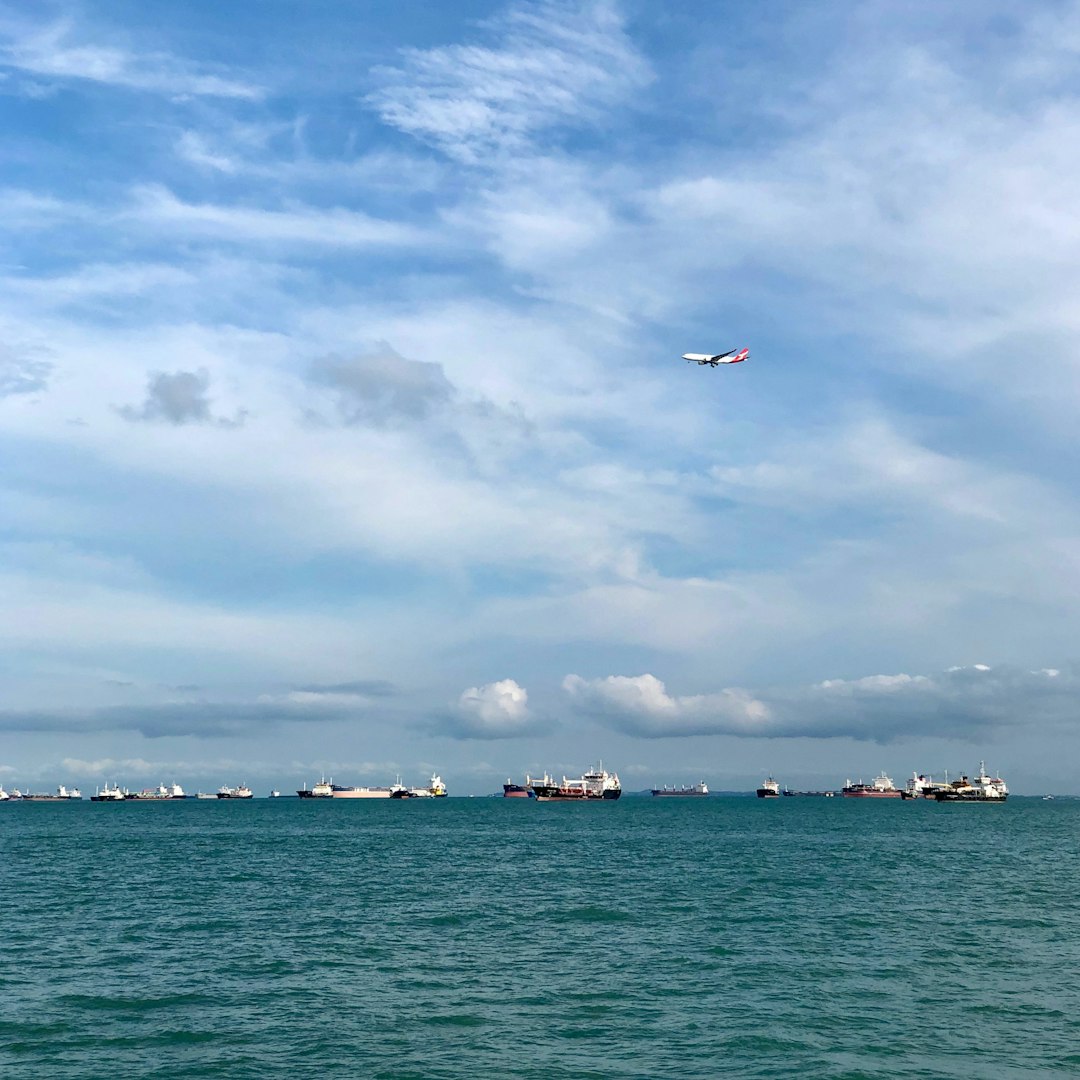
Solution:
(393, 791)
(436, 789)
(162, 793)
(982, 789)
(596, 785)
(881, 788)
(241, 792)
(682, 792)
(517, 791)
(324, 789)
(769, 789)
(63, 794)
(110, 794)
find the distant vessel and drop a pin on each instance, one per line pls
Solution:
(324, 789)
(516, 791)
(62, 795)
(275, 794)
(4, 796)
(694, 790)
(394, 791)
(205, 795)
(593, 786)
(809, 794)
(162, 793)
(436, 789)
(110, 794)
(241, 792)
(769, 789)
(982, 789)
(921, 786)
(881, 788)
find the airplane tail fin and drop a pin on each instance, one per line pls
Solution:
(741, 355)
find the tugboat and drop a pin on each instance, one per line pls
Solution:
(881, 788)
(683, 792)
(769, 789)
(596, 785)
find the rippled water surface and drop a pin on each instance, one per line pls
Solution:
(483, 937)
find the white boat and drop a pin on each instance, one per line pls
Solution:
(275, 794)
(205, 795)
(4, 796)
(241, 792)
(110, 794)
(435, 789)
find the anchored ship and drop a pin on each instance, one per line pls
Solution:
(881, 788)
(241, 792)
(769, 789)
(593, 786)
(436, 789)
(982, 789)
(162, 793)
(516, 791)
(692, 790)
(324, 789)
(110, 794)
(63, 794)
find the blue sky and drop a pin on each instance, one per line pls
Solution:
(343, 427)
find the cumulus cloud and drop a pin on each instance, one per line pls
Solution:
(178, 397)
(640, 705)
(961, 702)
(546, 64)
(381, 386)
(498, 710)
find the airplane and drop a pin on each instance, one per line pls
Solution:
(733, 356)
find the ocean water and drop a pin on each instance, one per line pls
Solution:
(489, 937)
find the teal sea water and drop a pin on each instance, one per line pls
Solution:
(489, 937)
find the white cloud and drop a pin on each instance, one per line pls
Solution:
(969, 703)
(640, 705)
(498, 710)
(54, 51)
(550, 63)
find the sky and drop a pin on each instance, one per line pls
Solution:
(344, 430)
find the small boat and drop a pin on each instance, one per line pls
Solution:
(769, 789)
(275, 794)
(205, 795)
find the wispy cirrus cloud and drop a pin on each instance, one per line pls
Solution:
(58, 51)
(546, 64)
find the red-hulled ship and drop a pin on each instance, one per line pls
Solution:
(516, 791)
(881, 788)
